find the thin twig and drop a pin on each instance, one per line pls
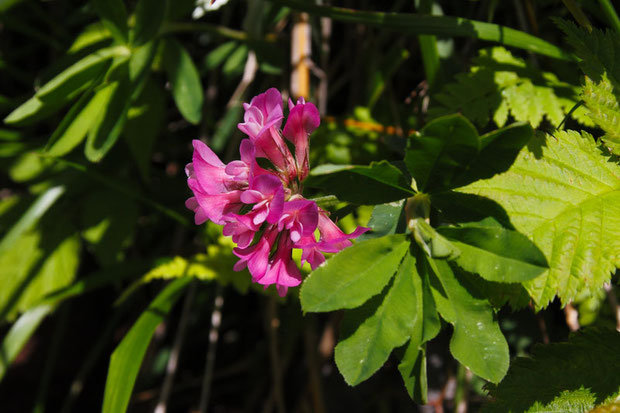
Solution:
(173, 360)
(312, 361)
(216, 321)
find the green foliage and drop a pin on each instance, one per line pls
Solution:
(494, 252)
(353, 276)
(564, 194)
(185, 81)
(377, 183)
(499, 85)
(477, 341)
(126, 359)
(371, 332)
(437, 157)
(602, 101)
(574, 376)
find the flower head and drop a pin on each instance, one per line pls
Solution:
(263, 210)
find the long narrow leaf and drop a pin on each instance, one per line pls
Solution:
(32, 215)
(126, 359)
(438, 25)
(19, 334)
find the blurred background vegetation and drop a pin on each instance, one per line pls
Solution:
(101, 101)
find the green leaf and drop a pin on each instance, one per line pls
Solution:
(108, 124)
(494, 252)
(78, 75)
(19, 334)
(127, 357)
(390, 323)
(350, 278)
(185, 80)
(145, 122)
(431, 242)
(113, 15)
(108, 224)
(76, 124)
(602, 100)
(386, 219)
(598, 51)
(477, 341)
(416, 24)
(33, 110)
(217, 56)
(499, 84)
(150, 16)
(31, 217)
(442, 152)
(499, 150)
(413, 371)
(564, 194)
(40, 261)
(378, 183)
(574, 376)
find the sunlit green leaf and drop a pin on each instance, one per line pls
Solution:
(387, 322)
(351, 277)
(564, 194)
(113, 15)
(494, 252)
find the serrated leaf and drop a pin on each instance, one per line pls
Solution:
(186, 86)
(477, 341)
(442, 152)
(602, 101)
(500, 84)
(390, 323)
(564, 194)
(574, 376)
(378, 183)
(494, 252)
(350, 278)
(598, 50)
(127, 357)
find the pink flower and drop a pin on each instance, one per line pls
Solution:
(256, 257)
(267, 195)
(263, 112)
(282, 271)
(300, 217)
(303, 119)
(332, 240)
(241, 228)
(263, 209)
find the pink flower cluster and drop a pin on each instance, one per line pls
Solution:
(263, 209)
